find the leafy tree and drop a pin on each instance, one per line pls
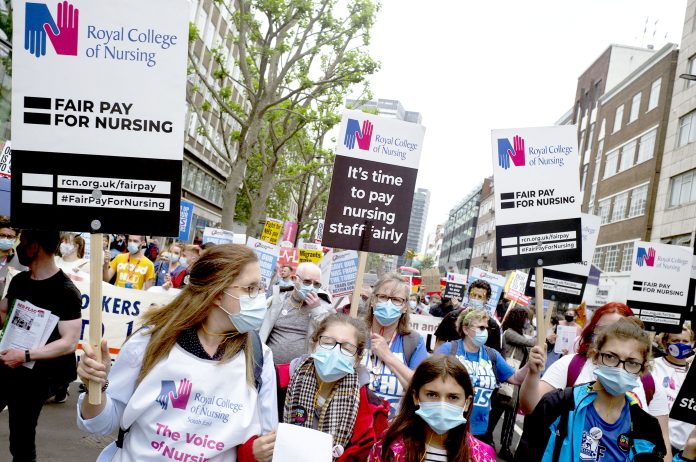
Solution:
(427, 261)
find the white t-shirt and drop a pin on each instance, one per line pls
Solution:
(670, 379)
(557, 374)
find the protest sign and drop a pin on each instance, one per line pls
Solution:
(496, 281)
(217, 236)
(660, 277)
(310, 255)
(6, 160)
(537, 197)
(684, 407)
(289, 232)
(319, 232)
(103, 153)
(292, 443)
(185, 217)
(430, 280)
(455, 285)
(426, 326)
(325, 265)
(311, 246)
(565, 339)
(514, 288)
(374, 178)
(271, 231)
(344, 269)
(288, 256)
(566, 283)
(268, 257)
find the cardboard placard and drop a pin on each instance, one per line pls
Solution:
(496, 281)
(271, 231)
(344, 269)
(455, 285)
(374, 178)
(98, 115)
(218, 236)
(684, 407)
(268, 258)
(430, 280)
(536, 178)
(310, 255)
(6, 160)
(514, 288)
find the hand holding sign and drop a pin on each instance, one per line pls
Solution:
(65, 41)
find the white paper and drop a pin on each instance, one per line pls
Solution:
(29, 327)
(565, 339)
(294, 443)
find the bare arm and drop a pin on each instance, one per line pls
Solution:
(533, 388)
(402, 371)
(67, 343)
(514, 338)
(4, 306)
(148, 283)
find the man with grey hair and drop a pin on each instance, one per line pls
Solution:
(290, 321)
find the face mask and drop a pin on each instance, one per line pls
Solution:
(412, 304)
(332, 365)
(6, 244)
(174, 258)
(476, 303)
(387, 313)
(251, 313)
(66, 249)
(304, 290)
(569, 318)
(480, 338)
(615, 380)
(441, 417)
(23, 257)
(133, 247)
(183, 261)
(680, 350)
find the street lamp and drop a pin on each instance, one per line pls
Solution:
(688, 77)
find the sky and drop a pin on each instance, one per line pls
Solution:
(472, 66)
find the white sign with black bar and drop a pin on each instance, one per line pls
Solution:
(537, 196)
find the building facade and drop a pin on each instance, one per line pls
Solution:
(433, 245)
(416, 227)
(460, 230)
(483, 253)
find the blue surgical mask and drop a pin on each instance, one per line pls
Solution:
(476, 303)
(480, 338)
(387, 313)
(251, 313)
(6, 244)
(615, 380)
(332, 365)
(441, 417)
(680, 350)
(133, 247)
(182, 261)
(304, 290)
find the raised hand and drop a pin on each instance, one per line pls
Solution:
(352, 128)
(503, 157)
(65, 41)
(650, 259)
(642, 255)
(366, 136)
(181, 400)
(36, 18)
(168, 388)
(517, 156)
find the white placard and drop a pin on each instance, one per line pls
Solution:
(218, 236)
(590, 232)
(294, 443)
(660, 273)
(565, 339)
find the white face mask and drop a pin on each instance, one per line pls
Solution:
(66, 249)
(252, 311)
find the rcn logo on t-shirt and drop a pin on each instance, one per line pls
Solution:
(511, 151)
(355, 133)
(40, 24)
(178, 397)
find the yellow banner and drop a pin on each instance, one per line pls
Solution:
(271, 231)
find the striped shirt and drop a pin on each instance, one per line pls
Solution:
(433, 454)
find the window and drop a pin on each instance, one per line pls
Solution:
(635, 108)
(611, 259)
(627, 257)
(583, 178)
(682, 239)
(581, 149)
(617, 118)
(654, 94)
(628, 156)
(610, 163)
(598, 258)
(619, 210)
(692, 69)
(687, 129)
(604, 210)
(639, 197)
(683, 189)
(646, 148)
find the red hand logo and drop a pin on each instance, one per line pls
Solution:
(65, 41)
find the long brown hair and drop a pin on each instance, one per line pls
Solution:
(409, 426)
(214, 272)
(403, 328)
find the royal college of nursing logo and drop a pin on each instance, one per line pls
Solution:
(355, 133)
(645, 256)
(511, 151)
(178, 397)
(40, 25)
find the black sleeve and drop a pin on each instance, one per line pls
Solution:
(536, 430)
(71, 302)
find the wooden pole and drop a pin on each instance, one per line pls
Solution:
(96, 269)
(541, 324)
(355, 301)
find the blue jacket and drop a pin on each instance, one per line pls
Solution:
(553, 432)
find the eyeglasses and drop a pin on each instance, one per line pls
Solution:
(611, 360)
(329, 343)
(8, 236)
(253, 291)
(309, 282)
(397, 301)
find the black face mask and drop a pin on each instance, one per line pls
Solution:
(22, 255)
(569, 318)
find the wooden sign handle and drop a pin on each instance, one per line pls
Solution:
(541, 323)
(96, 270)
(355, 300)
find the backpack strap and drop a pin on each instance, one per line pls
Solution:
(493, 358)
(649, 387)
(574, 368)
(257, 350)
(410, 343)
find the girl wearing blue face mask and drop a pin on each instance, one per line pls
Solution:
(169, 266)
(8, 257)
(197, 366)
(486, 366)
(328, 389)
(433, 422)
(395, 350)
(601, 420)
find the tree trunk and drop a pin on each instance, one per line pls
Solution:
(258, 203)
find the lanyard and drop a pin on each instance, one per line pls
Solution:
(131, 271)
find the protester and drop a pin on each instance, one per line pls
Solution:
(291, 321)
(285, 276)
(395, 350)
(133, 270)
(328, 390)
(24, 390)
(365, 293)
(434, 301)
(600, 420)
(152, 249)
(575, 369)
(485, 365)
(669, 372)
(190, 255)
(447, 305)
(689, 453)
(119, 245)
(479, 293)
(569, 317)
(433, 422)
(170, 266)
(8, 257)
(71, 257)
(194, 366)
(414, 305)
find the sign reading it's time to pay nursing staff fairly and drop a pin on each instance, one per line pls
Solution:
(98, 111)
(374, 177)
(537, 197)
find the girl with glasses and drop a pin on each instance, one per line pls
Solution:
(601, 420)
(395, 350)
(328, 392)
(433, 422)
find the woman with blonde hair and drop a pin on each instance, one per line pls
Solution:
(395, 350)
(195, 382)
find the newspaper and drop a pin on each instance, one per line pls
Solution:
(27, 328)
